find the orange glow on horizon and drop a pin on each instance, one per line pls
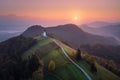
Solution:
(75, 11)
(72, 16)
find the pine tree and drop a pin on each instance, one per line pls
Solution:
(78, 55)
(93, 68)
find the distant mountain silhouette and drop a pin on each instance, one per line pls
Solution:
(112, 29)
(70, 34)
(97, 24)
(109, 30)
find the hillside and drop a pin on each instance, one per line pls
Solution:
(17, 45)
(71, 52)
(33, 63)
(71, 34)
(46, 50)
(11, 65)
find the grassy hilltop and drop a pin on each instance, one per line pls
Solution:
(47, 50)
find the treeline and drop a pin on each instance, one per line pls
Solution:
(103, 55)
(108, 52)
(109, 64)
(91, 61)
(17, 69)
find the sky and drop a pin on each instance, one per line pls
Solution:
(63, 11)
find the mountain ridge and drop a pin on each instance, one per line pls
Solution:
(71, 34)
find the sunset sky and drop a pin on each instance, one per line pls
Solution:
(75, 11)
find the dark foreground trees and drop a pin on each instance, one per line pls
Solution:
(93, 68)
(19, 69)
(12, 66)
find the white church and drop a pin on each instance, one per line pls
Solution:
(44, 34)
